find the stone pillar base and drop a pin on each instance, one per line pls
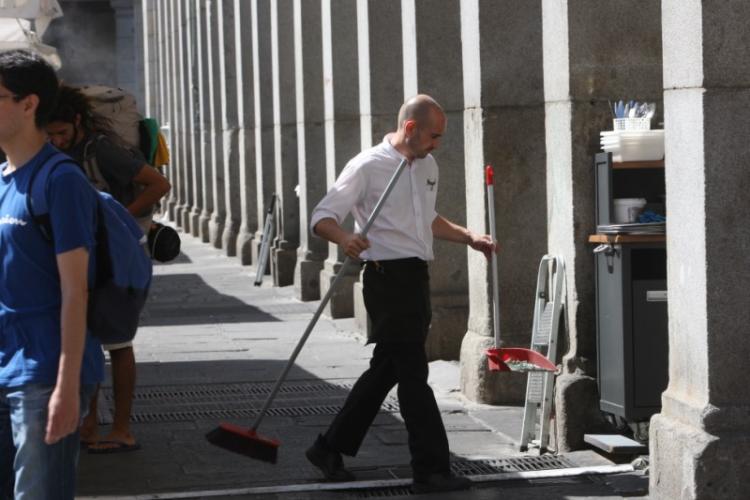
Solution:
(229, 241)
(481, 385)
(215, 231)
(178, 211)
(245, 240)
(691, 463)
(169, 209)
(577, 410)
(282, 266)
(186, 221)
(205, 222)
(450, 313)
(195, 223)
(341, 304)
(307, 278)
(257, 239)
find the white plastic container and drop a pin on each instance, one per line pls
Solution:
(631, 123)
(627, 210)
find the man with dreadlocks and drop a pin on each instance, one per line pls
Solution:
(123, 172)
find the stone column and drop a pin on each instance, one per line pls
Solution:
(245, 43)
(310, 143)
(699, 441)
(381, 84)
(125, 44)
(142, 54)
(175, 112)
(264, 123)
(215, 89)
(504, 126)
(425, 71)
(342, 128)
(196, 113)
(163, 70)
(584, 67)
(185, 77)
(205, 75)
(381, 72)
(147, 34)
(229, 114)
(286, 241)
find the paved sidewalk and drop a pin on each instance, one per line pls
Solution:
(209, 349)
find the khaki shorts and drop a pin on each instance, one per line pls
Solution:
(116, 347)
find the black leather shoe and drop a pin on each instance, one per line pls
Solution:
(328, 461)
(440, 482)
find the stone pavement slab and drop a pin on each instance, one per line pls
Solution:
(211, 345)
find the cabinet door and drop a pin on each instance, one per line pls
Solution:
(610, 325)
(650, 344)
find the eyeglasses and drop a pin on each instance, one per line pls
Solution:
(15, 97)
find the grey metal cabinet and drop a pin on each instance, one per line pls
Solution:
(631, 322)
(631, 305)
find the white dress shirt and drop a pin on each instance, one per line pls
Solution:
(404, 226)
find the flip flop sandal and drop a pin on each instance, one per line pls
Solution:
(113, 447)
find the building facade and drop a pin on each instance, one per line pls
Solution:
(267, 97)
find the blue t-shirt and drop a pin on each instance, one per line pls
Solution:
(30, 296)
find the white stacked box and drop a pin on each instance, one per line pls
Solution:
(633, 145)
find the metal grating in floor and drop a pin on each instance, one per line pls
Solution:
(516, 464)
(462, 467)
(238, 389)
(395, 491)
(186, 403)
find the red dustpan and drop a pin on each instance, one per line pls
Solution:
(505, 359)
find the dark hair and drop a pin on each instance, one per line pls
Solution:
(24, 74)
(71, 102)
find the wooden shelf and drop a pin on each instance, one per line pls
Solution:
(615, 239)
(628, 165)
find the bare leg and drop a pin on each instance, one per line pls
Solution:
(90, 426)
(123, 385)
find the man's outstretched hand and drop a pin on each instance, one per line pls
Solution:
(483, 243)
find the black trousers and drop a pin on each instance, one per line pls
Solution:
(392, 289)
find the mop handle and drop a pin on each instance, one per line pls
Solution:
(490, 181)
(326, 298)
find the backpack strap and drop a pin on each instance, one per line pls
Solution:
(36, 198)
(91, 166)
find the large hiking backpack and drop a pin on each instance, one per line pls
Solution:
(123, 269)
(121, 109)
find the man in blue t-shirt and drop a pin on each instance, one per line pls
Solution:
(49, 365)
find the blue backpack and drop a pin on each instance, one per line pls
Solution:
(123, 268)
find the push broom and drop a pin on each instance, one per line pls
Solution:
(247, 441)
(504, 359)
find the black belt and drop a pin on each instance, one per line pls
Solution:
(409, 263)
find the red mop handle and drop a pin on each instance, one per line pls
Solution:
(489, 175)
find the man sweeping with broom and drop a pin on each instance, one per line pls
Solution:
(396, 292)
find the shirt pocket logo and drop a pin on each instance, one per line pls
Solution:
(431, 183)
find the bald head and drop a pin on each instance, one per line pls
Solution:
(419, 108)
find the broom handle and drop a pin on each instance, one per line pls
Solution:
(490, 181)
(326, 298)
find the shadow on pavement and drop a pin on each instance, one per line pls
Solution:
(177, 403)
(186, 299)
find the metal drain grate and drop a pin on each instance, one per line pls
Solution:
(187, 403)
(517, 464)
(462, 467)
(223, 390)
(395, 491)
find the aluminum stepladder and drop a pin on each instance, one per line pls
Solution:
(549, 308)
(265, 242)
